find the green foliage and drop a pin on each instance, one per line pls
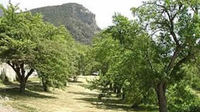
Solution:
(182, 99)
(15, 28)
(195, 76)
(28, 43)
(55, 60)
(150, 52)
(83, 60)
(196, 83)
(115, 63)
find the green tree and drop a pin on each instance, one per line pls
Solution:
(54, 60)
(17, 47)
(169, 44)
(117, 68)
(28, 44)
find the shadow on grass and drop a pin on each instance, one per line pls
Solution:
(116, 104)
(106, 104)
(84, 93)
(34, 86)
(10, 84)
(75, 81)
(30, 85)
(32, 90)
(15, 94)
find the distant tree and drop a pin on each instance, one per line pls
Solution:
(85, 61)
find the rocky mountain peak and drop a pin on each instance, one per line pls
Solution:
(77, 19)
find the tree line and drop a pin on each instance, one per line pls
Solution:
(153, 58)
(28, 45)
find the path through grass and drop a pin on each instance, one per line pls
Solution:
(74, 98)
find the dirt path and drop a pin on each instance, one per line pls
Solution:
(77, 98)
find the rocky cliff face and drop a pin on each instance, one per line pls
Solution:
(77, 19)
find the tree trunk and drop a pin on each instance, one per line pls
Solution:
(162, 101)
(115, 88)
(22, 86)
(19, 69)
(118, 92)
(123, 94)
(44, 84)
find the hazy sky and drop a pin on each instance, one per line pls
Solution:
(103, 9)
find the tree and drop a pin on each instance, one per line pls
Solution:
(117, 67)
(16, 48)
(54, 60)
(28, 44)
(169, 44)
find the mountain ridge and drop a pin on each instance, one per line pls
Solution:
(80, 22)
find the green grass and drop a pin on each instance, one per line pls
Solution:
(75, 97)
(23, 107)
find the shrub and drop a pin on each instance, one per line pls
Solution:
(182, 99)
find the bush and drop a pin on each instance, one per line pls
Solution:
(182, 99)
(195, 107)
(196, 83)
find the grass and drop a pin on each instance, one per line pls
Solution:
(23, 107)
(74, 98)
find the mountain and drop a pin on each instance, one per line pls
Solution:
(76, 18)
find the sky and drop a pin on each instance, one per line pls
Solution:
(103, 9)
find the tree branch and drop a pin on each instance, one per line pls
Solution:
(29, 74)
(22, 69)
(12, 66)
(171, 21)
(180, 62)
(16, 69)
(173, 58)
(149, 61)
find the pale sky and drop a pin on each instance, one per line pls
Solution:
(103, 9)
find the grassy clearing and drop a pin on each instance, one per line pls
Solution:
(74, 98)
